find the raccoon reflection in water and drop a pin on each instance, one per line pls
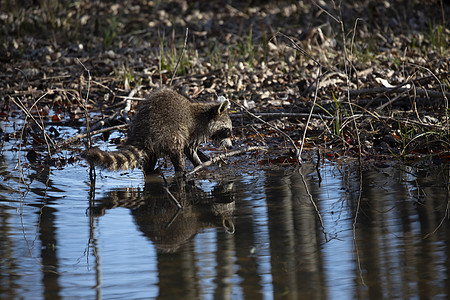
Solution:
(167, 123)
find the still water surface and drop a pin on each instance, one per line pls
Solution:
(273, 232)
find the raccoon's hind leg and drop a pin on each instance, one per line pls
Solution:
(149, 163)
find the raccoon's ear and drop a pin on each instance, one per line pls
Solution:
(225, 103)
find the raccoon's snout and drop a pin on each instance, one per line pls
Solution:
(226, 143)
(223, 137)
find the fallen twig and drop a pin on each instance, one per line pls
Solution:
(222, 156)
(400, 87)
(83, 135)
(387, 90)
(131, 98)
(388, 118)
(104, 121)
(128, 100)
(284, 115)
(297, 151)
(298, 48)
(29, 115)
(124, 112)
(392, 100)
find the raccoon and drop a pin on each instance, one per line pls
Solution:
(167, 123)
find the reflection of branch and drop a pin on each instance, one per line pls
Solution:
(172, 197)
(446, 216)
(311, 199)
(175, 216)
(358, 208)
(222, 156)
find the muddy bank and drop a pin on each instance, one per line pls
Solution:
(363, 80)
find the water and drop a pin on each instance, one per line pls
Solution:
(246, 232)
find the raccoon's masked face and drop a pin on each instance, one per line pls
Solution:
(221, 126)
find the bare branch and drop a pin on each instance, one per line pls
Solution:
(284, 115)
(29, 115)
(398, 89)
(83, 135)
(222, 156)
(88, 131)
(297, 151)
(179, 58)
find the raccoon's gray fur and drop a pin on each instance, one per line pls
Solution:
(167, 123)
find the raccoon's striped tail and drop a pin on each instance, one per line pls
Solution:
(126, 157)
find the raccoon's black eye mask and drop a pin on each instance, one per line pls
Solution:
(222, 134)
